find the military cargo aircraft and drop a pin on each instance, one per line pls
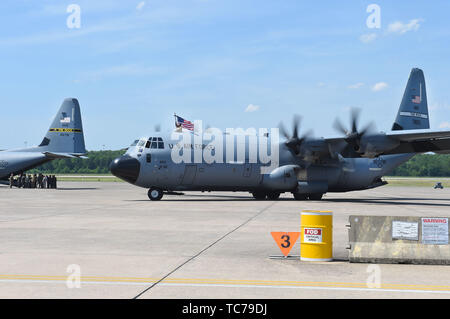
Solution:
(64, 139)
(307, 167)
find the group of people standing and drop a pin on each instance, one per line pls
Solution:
(33, 181)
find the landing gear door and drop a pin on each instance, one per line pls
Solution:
(247, 170)
(190, 171)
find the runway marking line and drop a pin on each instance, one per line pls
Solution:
(226, 282)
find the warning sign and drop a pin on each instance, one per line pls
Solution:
(435, 231)
(312, 235)
(285, 240)
(405, 230)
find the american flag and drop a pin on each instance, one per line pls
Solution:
(416, 99)
(179, 121)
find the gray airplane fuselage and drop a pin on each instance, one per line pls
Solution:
(18, 161)
(155, 167)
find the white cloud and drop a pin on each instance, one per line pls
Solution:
(444, 125)
(140, 5)
(252, 108)
(356, 85)
(399, 27)
(368, 37)
(379, 86)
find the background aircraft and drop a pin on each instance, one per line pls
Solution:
(308, 168)
(64, 139)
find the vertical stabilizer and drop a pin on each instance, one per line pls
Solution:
(65, 134)
(413, 111)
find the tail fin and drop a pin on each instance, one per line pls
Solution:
(65, 134)
(413, 112)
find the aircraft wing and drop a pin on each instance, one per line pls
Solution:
(416, 135)
(394, 142)
(419, 141)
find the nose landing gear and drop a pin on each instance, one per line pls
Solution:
(155, 193)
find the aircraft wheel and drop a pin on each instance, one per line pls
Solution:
(155, 193)
(315, 196)
(299, 196)
(273, 196)
(259, 195)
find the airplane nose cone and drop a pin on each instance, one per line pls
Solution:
(126, 168)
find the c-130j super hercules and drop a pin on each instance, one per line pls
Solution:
(308, 167)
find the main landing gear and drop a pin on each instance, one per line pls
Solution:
(155, 193)
(298, 196)
(260, 195)
(264, 195)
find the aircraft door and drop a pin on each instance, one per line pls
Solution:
(158, 166)
(156, 160)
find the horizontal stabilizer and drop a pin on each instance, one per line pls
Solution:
(63, 155)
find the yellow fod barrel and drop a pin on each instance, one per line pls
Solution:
(316, 235)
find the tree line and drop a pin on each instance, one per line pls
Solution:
(425, 165)
(96, 163)
(422, 165)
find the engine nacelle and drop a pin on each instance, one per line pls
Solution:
(281, 178)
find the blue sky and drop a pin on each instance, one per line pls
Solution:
(132, 64)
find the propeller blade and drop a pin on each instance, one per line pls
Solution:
(338, 126)
(283, 130)
(307, 135)
(295, 126)
(368, 128)
(354, 119)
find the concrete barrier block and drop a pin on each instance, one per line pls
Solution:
(399, 239)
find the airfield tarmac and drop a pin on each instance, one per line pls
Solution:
(200, 245)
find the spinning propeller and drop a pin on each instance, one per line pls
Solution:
(293, 142)
(353, 137)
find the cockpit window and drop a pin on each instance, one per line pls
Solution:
(160, 143)
(155, 143)
(141, 143)
(134, 143)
